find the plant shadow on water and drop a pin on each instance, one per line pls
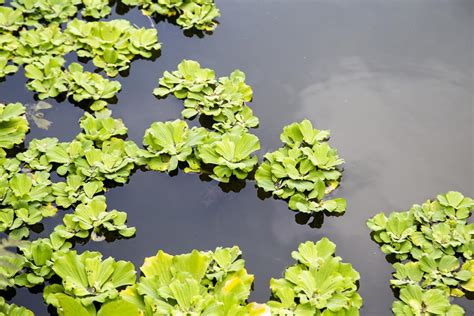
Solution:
(313, 220)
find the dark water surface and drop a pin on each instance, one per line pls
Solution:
(392, 80)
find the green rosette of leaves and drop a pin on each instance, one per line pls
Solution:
(51, 11)
(42, 41)
(10, 19)
(92, 220)
(39, 258)
(112, 45)
(197, 14)
(84, 85)
(438, 226)
(75, 189)
(11, 263)
(25, 200)
(304, 171)
(96, 8)
(13, 125)
(318, 284)
(101, 126)
(88, 279)
(223, 100)
(189, 82)
(438, 271)
(433, 243)
(198, 283)
(47, 77)
(231, 155)
(416, 301)
(170, 143)
(113, 159)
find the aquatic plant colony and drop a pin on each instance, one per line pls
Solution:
(432, 243)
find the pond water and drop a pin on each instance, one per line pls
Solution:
(392, 80)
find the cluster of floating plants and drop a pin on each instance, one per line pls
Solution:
(303, 171)
(433, 246)
(318, 284)
(48, 177)
(225, 150)
(198, 14)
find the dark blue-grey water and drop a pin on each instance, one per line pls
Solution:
(392, 80)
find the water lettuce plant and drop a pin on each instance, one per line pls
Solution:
(303, 171)
(13, 125)
(49, 79)
(231, 155)
(197, 14)
(75, 189)
(83, 85)
(46, 77)
(6, 68)
(25, 199)
(192, 284)
(113, 159)
(10, 263)
(433, 244)
(51, 11)
(102, 126)
(169, 143)
(224, 100)
(41, 41)
(88, 279)
(39, 256)
(96, 8)
(318, 284)
(438, 226)
(10, 19)
(416, 301)
(91, 219)
(112, 45)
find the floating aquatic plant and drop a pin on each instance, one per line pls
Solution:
(434, 227)
(416, 301)
(88, 279)
(224, 100)
(195, 283)
(51, 11)
(96, 8)
(49, 80)
(169, 143)
(197, 14)
(304, 171)
(102, 126)
(84, 85)
(6, 68)
(230, 155)
(430, 241)
(42, 41)
(318, 284)
(10, 19)
(25, 200)
(112, 45)
(91, 219)
(13, 125)
(47, 77)
(10, 263)
(39, 257)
